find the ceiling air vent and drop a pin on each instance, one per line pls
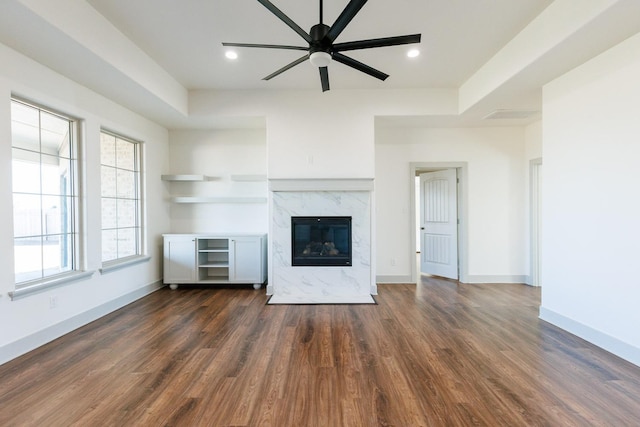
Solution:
(510, 114)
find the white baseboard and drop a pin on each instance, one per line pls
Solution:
(467, 279)
(394, 279)
(495, 279)
(33, 341)
(607, 342)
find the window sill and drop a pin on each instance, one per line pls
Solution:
(110, 266)
(47, 284)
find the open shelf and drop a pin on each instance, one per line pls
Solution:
(213, 259)
(188, 178)
(228, 200)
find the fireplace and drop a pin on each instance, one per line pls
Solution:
(352, 283)
(321, 241)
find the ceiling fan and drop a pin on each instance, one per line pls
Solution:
(322, 49)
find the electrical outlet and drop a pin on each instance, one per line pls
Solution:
(392, 261)
(53, 301)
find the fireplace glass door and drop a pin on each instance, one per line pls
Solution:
(321, 241)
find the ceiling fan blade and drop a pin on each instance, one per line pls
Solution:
(267, 46)
(284, 18)
(324, 78)
(345, 17)
(382, 42)
(359, 66)
(286, 67)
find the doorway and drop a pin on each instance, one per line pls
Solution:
(438, 213)
(455, 253)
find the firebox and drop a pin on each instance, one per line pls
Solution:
(321, 241)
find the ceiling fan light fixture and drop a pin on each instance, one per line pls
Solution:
(413, 53)
(230, 54)
(320, 59)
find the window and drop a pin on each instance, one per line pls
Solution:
(45, 197)
(120, 160)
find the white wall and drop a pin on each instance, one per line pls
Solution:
(495, 205)
(30, 322)
(218, 153)
(591, 210)
(311, 134)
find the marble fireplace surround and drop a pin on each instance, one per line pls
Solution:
(320, 285)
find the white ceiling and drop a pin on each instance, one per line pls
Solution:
(185, 37)
(153, 56)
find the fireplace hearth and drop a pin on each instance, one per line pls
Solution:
(321, 241)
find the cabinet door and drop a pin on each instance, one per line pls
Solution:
(179, 259)
(246, 260)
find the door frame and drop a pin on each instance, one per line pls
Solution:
(535, 220)
(462, 173)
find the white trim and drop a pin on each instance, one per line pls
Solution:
(535, 221)
(607, 342)
(24, 345)
(110, 266)
(324, 184)
(41, 286)
(515, 278)
(395, 279)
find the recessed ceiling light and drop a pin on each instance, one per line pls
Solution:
(413, 53)
(231, 54)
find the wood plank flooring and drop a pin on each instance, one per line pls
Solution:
(433, 354)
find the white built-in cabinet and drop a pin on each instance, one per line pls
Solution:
(215, 259)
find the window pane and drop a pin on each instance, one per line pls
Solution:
(109, 214)
(107, 149)
(44, 199)
(54, 133)
(27, 218)
(55, 173)
(25, 171)
(56, 254)
(120, 198)
(108, 181)
(125, 152)
(57, 214)
(109, 245)
(28, 259)
(126, 242)
(126, 213)
(25, 126)
(126, 184)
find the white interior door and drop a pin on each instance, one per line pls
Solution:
(439, 224)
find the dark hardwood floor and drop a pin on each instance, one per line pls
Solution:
(435, 354)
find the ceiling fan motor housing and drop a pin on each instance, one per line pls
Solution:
(319, 41)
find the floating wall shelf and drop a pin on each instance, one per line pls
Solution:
(188, 178)
(229, 200)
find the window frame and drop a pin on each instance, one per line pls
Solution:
(75, 222)
(139, 226)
